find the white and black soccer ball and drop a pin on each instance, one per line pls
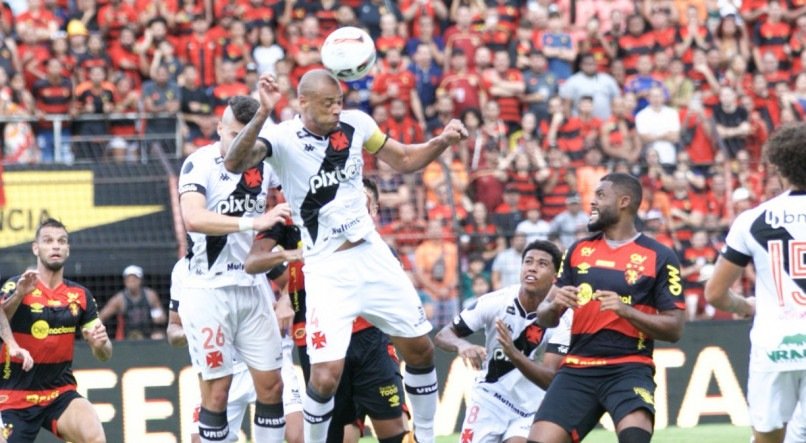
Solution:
(348, 53)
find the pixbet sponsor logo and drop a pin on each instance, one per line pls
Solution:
(326, 179)
(241, 205)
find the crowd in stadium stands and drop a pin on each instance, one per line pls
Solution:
(555, 94)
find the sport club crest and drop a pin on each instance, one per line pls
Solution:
(635, 268)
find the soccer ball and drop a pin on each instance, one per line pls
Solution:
(348, 53)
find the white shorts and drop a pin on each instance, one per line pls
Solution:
(241, 395)
(292, 397)
(222, 323)
(772, 397)
(365, 280)
(490, 421)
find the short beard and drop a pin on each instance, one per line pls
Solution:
(54, 267)
(605, 220)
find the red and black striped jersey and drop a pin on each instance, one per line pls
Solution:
(643, 272)
(45, 323)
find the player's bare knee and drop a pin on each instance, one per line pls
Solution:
(417, 352)
(270, 392)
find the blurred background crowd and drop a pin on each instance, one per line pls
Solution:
(555, 94)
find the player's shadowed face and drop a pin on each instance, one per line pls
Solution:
(322, 108)
(604, 207)
(228, 129)
(52, 247)
(537, 272)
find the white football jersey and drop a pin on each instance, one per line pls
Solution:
(498, 376)
(322, 178)
(218, 260)
(773, 236)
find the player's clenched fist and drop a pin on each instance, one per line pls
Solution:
(454, 132)
(268, 91)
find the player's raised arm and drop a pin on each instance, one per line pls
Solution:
(409, 158)
(246, 149)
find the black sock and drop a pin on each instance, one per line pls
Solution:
(213, 426)
(634, 435)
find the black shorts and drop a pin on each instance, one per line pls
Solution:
(370, 384)
(23, 425)
(578, 397)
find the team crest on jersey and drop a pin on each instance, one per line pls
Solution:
(534, 334)
(72, 302)
(9, 287)
(252, 177)
(634, 268)
(339, 141)
(7, 430)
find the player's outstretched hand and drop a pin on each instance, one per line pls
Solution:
(473, 355)
(268, 91)
(15, 351)
(505, 338)
(454, 132)
(610, 301)
(27, 282)
(276, 215)
(96, 336)
(566, 297)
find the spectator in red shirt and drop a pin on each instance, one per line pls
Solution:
(692, 35)
(40, 19)
(124, 58)
(635, 42)
(94, 98)
(565, 133)
(461, 36)
(202, 51)
(395, 81)
(228, 87)
(401, 126)
(505, 85)
(390, 36)
(53, 95)
(618, 137)
(693, 260)
(305, 50)
(60, 50)
(462, 84)
(115, 16)
(127, 100)
(481, 235)
(687, 208)
(772, 35)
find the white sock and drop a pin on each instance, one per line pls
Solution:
(317, 411)
(269, 423)
(421, 387)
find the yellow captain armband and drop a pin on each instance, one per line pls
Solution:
(90, 324)
(375, 142)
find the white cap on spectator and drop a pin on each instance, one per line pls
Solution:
(653, 214)
(118, 143)
(133, 270)
(740, 194)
